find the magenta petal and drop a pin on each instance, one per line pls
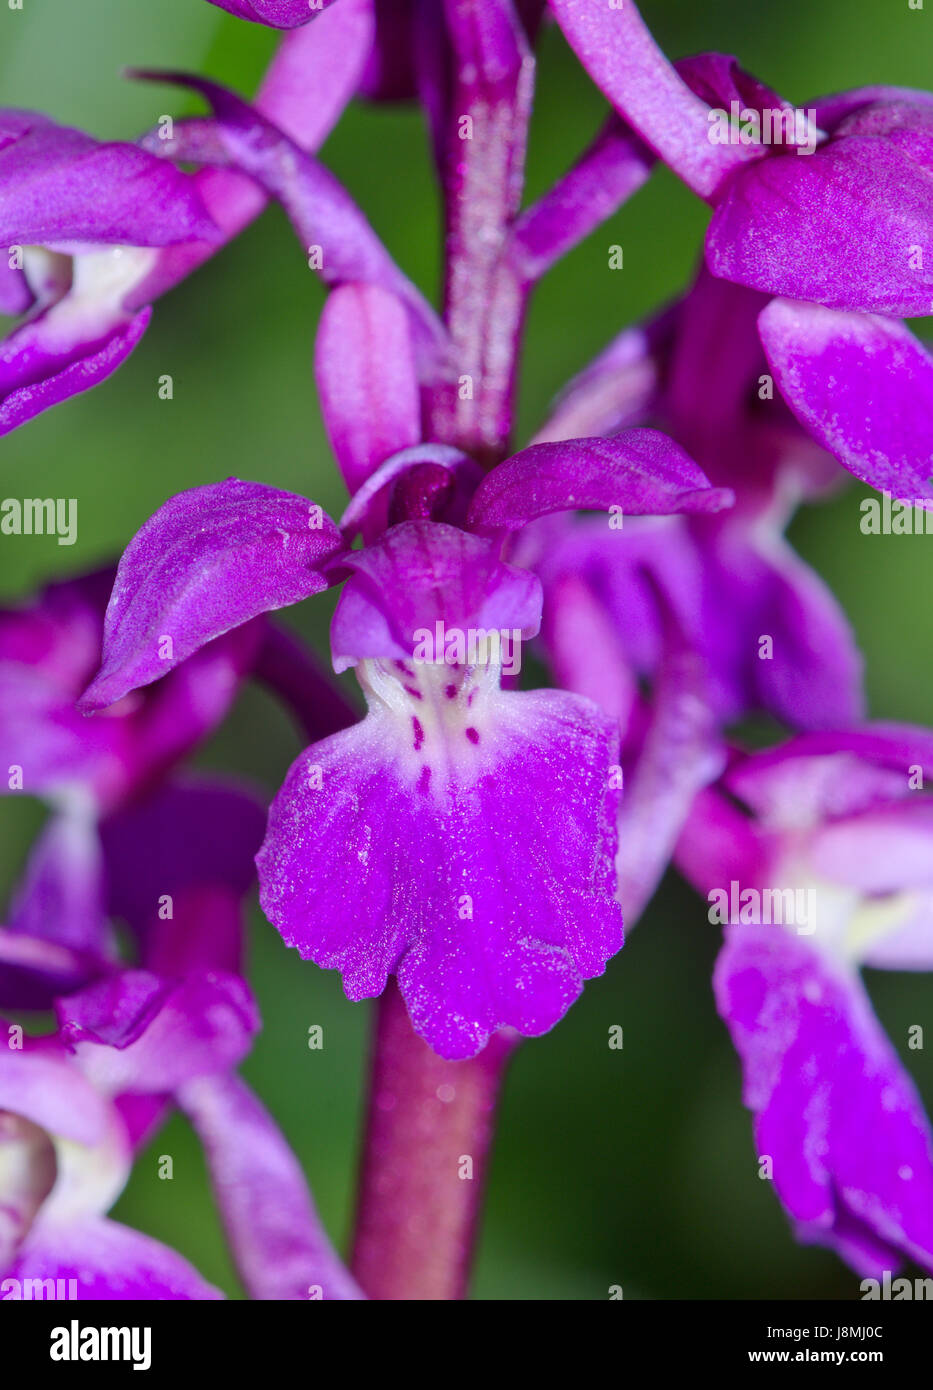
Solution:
(476, 862)
(278, 14)
(819, 777)
(137, 1032)
(428, 481)
(862, 385)
(207, 561)
(888, 850)
(33, 971)
(280, 1247)
(814, 676)
(59, 629)
(641, 471)
(618, 52)
(841, 226)
(583, 647)
(108, 1261)
(60, 185)
(15, 295)
(365, 370)
(896, 746)
(40, 368)
(62, 895)
(835, 1110)
(831, 110)
(421, 573)
(718, 80)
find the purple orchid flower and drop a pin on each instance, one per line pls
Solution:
(98, 231)
(74, 1106)
(462, 850)
(833, 213)
(824, 866)
(82, 220)
(835, 218)
(442, 750)
(67, 1156)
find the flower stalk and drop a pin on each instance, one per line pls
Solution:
(429, 1131)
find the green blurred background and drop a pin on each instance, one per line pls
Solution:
(632, 1167)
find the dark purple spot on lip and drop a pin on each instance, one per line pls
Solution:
(419, 732)
(450, 691)
(424, 781)
(413, 692)
(472, 734)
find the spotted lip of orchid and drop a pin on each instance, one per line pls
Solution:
(845, 846)
(461, 836)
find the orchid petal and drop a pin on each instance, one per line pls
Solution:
(680, 755)
(372, 872)
(421, 573)
(107, 1261)
(45, 1089)
(60, 185)
(835, 1111)
(53, 357)
(863, 387)
(618, 52)
(640, 471)
(839, 226)
(277, 14)
(60, 903)
(137, 1032)
(365, 370)
(281, 1249)
(207, 561)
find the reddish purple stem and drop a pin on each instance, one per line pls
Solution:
(428, 1135)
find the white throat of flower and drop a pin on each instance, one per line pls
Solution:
(88, 288)
(439, 718)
